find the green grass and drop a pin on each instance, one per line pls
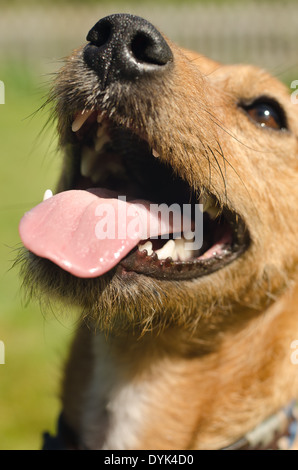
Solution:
(34, 344)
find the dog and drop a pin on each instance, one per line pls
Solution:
(177, 348)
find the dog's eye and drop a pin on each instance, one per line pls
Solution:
(266, 113)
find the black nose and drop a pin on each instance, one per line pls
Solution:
(123, 47)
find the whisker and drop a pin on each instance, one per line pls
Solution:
(224, 161)
(221, 172)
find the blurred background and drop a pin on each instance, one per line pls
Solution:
(34, 38)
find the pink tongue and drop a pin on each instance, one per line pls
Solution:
(87, 233)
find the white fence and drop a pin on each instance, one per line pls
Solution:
(262, 32)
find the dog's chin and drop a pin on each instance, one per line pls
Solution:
(119, 302)
(114, 302)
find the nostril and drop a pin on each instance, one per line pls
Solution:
(100, 36)
(145, 49)
(142, 48)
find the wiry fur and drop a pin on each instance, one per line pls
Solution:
(206, 359)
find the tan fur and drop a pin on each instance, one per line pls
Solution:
(192, 364)
(191, 403)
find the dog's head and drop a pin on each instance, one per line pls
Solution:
(143, 122)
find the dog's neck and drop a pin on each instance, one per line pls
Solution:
(132, 393)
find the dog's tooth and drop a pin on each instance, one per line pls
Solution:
(155, 153)
(189, 236)
(183, 254)
(99, 118)
(101, 139)
(48, 193)
(213, 211)
(146, 246)
(168, 250)
(79, 120)
(174, 255)
(100, 131)
(206, 201)
(88, 160)
(209, 205)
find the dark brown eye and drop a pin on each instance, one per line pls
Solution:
(266, 113)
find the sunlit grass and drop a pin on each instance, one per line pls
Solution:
(34, 344)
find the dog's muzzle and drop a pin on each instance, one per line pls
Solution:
(125, 47)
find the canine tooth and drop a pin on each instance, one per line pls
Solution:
(174, 254)
(168, 250)
(48, 193)
(99, 132)
(206, 201)
(209, 205)
(183, 254)
(88, 159)
(79, 120)
(189, 236)
(147, 246)
(213, 211)
(99, 118)
(101, 139)
(155, 153)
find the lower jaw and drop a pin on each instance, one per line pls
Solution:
(229, 246)
(140, 263)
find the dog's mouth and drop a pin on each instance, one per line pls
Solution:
(101, 222)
